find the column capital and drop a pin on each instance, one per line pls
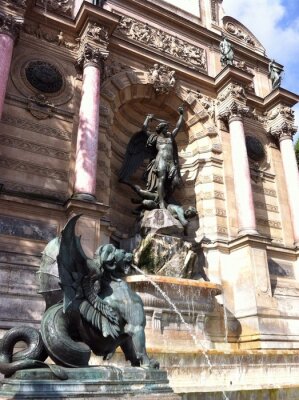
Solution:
(10, 25)
(234, 112)
(89, 55)
(279, 122)
(285, 131)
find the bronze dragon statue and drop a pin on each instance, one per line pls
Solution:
(93, 310)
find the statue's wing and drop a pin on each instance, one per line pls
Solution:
(72, 266)
(136, 153)
(78, 293)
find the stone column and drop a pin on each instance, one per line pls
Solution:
(88, 131)
(9, 30)
(241, 172)
(285, 134)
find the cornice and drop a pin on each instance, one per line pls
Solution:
(280, 95)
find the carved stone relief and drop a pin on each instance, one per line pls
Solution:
(15, 4)
(50, 35)
(35, 230)
(162, 78)
(10, 25)
(194, 56)
(64, 7)
(239, 31)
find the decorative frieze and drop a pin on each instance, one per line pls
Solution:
(33, 169)
(33, 147)
(193, 55)
(28, 229)
(162, 78)
(10, 25)
(35, 127)
(50, 35)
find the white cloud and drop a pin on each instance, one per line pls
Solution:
(263, 18)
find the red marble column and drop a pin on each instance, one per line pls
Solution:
(9, 29)
(291, 176)
(241, 175)
(88, 130)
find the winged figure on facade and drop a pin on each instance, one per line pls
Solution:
(162, 173)
(94, 310)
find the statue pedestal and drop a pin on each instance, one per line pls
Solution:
(101, 382)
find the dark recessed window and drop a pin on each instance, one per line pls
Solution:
(255, 148)
(44, 76)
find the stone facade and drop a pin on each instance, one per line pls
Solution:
(76, 84)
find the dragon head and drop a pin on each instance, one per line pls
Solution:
(115, 261)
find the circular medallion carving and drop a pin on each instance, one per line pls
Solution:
(255, 148)
(44, 76)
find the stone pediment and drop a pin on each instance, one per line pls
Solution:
(238, 31)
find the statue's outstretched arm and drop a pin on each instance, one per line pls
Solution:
(179, 123)
(148, 118)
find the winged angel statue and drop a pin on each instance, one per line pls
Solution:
(162, 174)
(97, 310)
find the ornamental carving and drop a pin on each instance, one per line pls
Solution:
(234, 110)
(207, 103)
(44, 76)
(10, 25)
(40, 107)
(90, 55)
(162, 78)
(113, 67)
(64, 7)
(239, 31)
(282, 110)
(285, 131)
(194, 56)
(235, 90)
(50, 35)
(14, 4)
(97, 33)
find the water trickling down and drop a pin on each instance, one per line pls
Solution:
(189, 329)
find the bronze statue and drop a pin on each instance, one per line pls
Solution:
(227, 52)
(163, 171)
(97, 311)
(275, 72)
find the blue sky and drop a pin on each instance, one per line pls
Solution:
(276, 24)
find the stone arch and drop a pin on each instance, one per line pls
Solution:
(125, 100)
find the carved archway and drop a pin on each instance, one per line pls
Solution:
(126, 98)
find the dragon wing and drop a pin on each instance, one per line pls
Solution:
(72, 265)
(77, 277)
(136, 152)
